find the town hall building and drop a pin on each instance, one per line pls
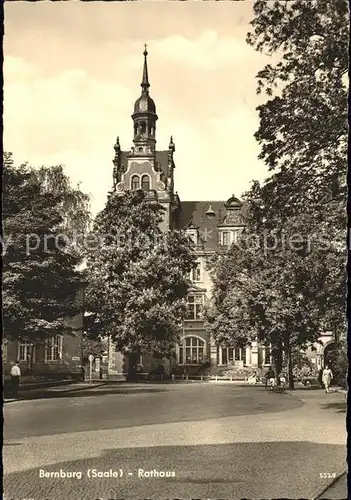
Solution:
(212, 225)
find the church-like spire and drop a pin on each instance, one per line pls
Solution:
(145, 82)
(144, 116)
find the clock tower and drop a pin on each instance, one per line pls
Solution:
(144, 116)
(143, 167)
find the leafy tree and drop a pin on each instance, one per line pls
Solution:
(303, 126)
(292, 293)
(138, 277)
(41, 282)
(277, 297)
(338, 361)
(74, 206)
(302, 365)
(96, 347)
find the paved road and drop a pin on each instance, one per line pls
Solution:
(336, 491)
(221, 441)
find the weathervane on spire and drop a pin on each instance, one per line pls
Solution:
(145, 81)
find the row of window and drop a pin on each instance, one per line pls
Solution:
(52, 352)
(227, 355)
(140, 183)
(193, 352)
(226, 237)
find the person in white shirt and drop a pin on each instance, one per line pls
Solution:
(252, 380)
(15, 378)
(327, 376)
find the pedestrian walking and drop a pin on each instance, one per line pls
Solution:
(327, 376)
(15, 379)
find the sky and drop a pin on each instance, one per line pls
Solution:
(72, 73)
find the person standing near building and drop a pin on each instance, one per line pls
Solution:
(252, 380)
(15, 378)
(269, 377)
(327, 376)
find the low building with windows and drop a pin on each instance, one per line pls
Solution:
(56, 357)
(212, 225)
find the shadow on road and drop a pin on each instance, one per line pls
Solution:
(235, 471)
(49, 394)
(339, 406)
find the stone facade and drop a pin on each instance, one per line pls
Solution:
(213, 225)
(59, 356)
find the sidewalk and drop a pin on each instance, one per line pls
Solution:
(301, 443)
(337, 490)
(42, 392)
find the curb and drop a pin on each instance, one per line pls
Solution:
(76, 389)
(49, 383)
(65, 391)
(318, 492)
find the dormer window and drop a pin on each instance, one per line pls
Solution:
(192, 234)
(210, 213)
(228, 236)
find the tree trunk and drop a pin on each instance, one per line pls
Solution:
(132, 365)
(30, 364)
(290, 368)
(277, 361)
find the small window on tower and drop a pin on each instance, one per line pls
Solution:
(145, 183)
(135, 183)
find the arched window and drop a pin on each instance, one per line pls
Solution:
(192, 351)
(145, 183)
(135, 182)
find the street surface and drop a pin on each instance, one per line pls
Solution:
(218, 441)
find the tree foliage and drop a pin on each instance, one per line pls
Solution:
(138, 277)
(285, 280)
(303, 126)
(96, 347)
(40, 277)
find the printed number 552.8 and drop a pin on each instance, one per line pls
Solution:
(327, 475)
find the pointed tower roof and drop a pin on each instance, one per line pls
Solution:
(145, 81)
(145, 104)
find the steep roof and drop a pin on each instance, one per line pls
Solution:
(194, 213)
